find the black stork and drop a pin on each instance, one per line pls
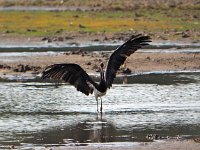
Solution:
(76, 76)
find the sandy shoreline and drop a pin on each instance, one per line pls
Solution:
(171, 144)
(164, 145)
(159, 145)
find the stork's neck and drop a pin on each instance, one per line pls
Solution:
(101, 72)
(102, 75)
(102, 87)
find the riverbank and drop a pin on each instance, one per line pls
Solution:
(174, 144)
(145, 60)
(159, 145)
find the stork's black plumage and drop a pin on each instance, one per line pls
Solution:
(75, 75)
(119, 56)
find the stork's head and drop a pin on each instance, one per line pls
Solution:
(101, 65)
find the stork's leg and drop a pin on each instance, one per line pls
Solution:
(97, 104)
(101, 108)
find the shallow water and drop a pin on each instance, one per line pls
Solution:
(38, 114)
(89, 46)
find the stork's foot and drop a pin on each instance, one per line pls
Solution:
(100, 112)
(97, 111)
(101, 108)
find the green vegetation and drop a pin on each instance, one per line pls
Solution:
(47, 23)
(105, 4)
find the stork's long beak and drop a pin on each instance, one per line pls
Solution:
(100, 69)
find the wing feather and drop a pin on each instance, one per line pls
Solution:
(119, 56)
(71, 73)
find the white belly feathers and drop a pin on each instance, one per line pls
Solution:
(99, 94)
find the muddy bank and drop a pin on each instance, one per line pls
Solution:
(142, 61)
(172, 144)
(160, 145)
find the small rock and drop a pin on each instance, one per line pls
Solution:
(12, 147)
(148, 58)
(96, 40)
(59, 31)
(162, 37)
(68, 38)
(81, 26)
(27, 68)
(74, 43)
(196, 139)
(195, 41)
(100, 60)
(89, 63)
(21, 68)
(172, 5)
(44, 39)
(126, 71)
(5, 67)
(95, 67)
(1, 66)
(31, 30)
(195, 16)
(137, 14)
(9, 31)
(60, 39)
(77, 52)
(67, 53)
(185, 35)
(153, 137)
(76, 16)
(15, 70)
(49, 40)
(178, 33)
(106, 38)
(55, 39)
(136, 19)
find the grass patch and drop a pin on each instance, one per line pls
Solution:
(105, 4)
(46, 23)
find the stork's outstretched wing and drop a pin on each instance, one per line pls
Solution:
(71, 73)
(121, 53)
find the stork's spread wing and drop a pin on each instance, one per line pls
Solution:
(121, 53)
(71, 73)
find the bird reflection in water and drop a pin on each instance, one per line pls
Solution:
(95, 131)
(87, 131)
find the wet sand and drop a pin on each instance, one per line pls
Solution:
(158, 145)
